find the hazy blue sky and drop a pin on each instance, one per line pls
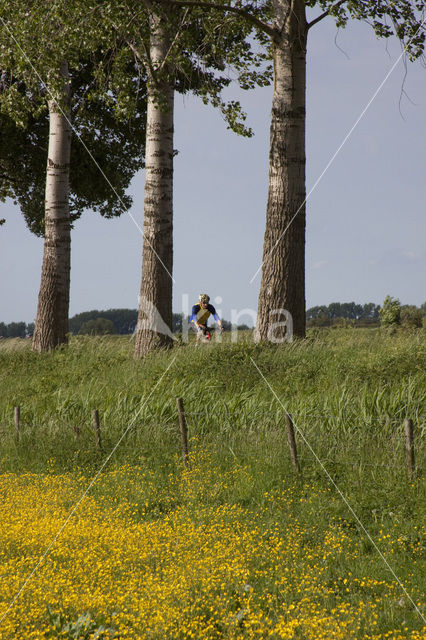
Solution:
(365, 219)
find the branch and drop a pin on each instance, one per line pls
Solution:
(263, 26)
(325, 14)
(174, 39)
(145, 61)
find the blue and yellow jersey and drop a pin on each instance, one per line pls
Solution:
(202, 315)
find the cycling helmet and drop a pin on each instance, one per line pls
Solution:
(203, 297)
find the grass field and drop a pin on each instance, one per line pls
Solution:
(237, 545)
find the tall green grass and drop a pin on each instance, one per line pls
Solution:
(348, 391)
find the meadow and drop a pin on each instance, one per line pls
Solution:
(127, 543)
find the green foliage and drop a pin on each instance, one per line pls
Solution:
(123, 320)
(115, 144)
(83, 628)
(411, 317)
(108, 92)
(390, 313)
(360, 315)
(98, 327)
(16, 329)
(13, 330)
(208, 49)
(401, 18)
(253, 23)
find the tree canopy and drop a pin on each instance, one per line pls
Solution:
(107, 148)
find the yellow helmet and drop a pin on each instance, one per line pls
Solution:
(203, 297)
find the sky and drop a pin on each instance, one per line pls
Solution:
(366, 186)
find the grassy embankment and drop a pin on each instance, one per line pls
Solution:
(237, 546)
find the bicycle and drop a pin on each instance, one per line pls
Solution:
(206, 334)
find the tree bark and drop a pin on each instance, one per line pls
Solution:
(51, 325)
(283, 267)
(155, 302)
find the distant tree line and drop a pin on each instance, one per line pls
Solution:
(123, 321)
(16, 329)
(361, 315)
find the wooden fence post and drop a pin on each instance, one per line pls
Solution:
(409, 447)
(183, 431)
(17, 416)
(97, 429)
(292, 442)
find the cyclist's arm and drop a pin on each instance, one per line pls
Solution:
(216, 318)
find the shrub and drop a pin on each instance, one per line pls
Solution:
(390, 313)
(411, 317)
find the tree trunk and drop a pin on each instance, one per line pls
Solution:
(283, 267)
(155, 302)
(51, 325)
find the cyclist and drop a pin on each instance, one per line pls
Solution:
(201, 312)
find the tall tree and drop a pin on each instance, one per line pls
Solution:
(51, 326)
(157, 261)
(286, 27)
(283, 270)
(181, 52)
(26, 97)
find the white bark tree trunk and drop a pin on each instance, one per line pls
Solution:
(51, 325)
(283, 268)
(155, 302)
